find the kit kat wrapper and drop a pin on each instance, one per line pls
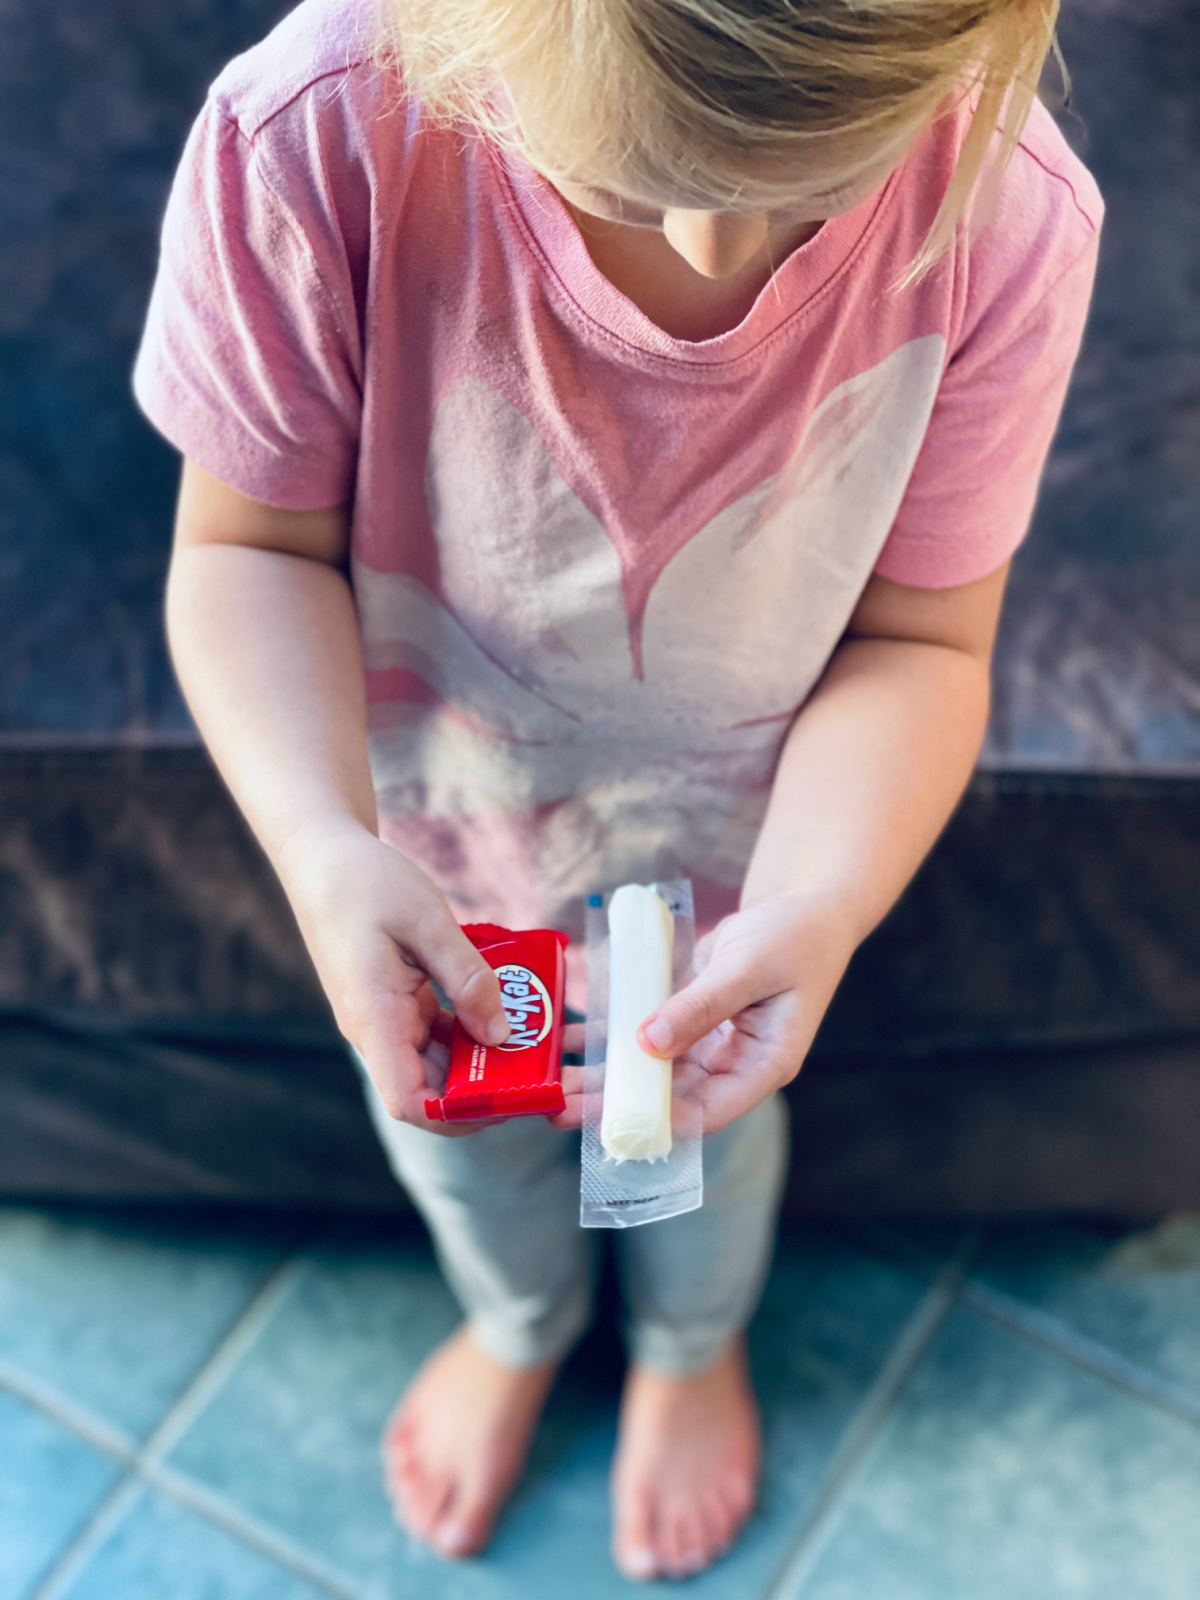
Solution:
(521, 1077)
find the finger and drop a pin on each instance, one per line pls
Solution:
(464, 1130)
(470, 985)
(430, 1007)
(572, 1114)
(709, 1000)
(400, 1074)
(726, 1097)
(574, 1038)
(741, 1068)
(394, 1030)
(441, 1027)
(572, 1080)
(388, 1042)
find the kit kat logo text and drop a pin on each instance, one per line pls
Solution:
(526, 1005)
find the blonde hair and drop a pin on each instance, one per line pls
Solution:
(718, 96)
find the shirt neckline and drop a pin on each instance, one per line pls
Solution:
(556, 239)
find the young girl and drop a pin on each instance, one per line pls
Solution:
(607, 425)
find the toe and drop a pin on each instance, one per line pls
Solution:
(699, 1550)
(738, 1494)
(402, 1463)
(681, 1545)
(455, 1538)
(464, 1522)
(719, 1526)
(394, 1450)
(633, 1533)
(421, 1500)
(398, 1427)
(637, 1562)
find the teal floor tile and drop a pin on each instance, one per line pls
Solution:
(1135, 1290)
(923, 1245)
(829, 1318)
(49, 1483)
(293, 1436)
(118, 1310)
(1007, 1472)
(163, 1552)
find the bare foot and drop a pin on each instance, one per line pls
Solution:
(455, 1445)
(686, 1471)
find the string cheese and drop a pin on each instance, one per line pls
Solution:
(635, 1121)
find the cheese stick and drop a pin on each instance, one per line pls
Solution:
(635, 1123)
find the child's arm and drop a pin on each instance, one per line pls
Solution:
(870, 773)
(265, 641)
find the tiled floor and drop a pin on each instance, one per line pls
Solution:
(189, 1410)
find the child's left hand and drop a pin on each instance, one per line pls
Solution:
(742, 1028)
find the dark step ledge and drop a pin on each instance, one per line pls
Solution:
(1057, 909)
(1021, 1035)
(274, 1117)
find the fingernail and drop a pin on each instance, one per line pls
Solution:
(497, 1030)
(640, 1563)
(453, 1538)
(658, 1034)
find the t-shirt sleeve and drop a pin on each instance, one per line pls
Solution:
(251, 362)
(971, 495)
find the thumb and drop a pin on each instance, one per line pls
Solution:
(706, 1002)
(470, 985)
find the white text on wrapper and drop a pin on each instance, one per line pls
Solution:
(527, 1006)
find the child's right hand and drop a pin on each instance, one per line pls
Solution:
(265, 640)
(378, 930)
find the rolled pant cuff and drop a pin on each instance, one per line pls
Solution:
(679, 1352)
(520, 1345)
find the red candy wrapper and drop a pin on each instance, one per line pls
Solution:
(522, 1076)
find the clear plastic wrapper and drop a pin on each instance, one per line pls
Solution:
(621, 1193)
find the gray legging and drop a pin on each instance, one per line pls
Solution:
(503, 1208)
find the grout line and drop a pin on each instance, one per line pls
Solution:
(143, 1462)
(268, 1541)
(95, 1532)
(76, 1419)
(855, 1443)
(212, 1376)
(1040, 1328)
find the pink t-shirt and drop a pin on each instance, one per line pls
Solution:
(597, 568)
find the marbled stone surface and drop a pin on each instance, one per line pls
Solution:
(1099, 663)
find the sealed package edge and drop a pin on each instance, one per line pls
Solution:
(522, 1076)
(642, 1157)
